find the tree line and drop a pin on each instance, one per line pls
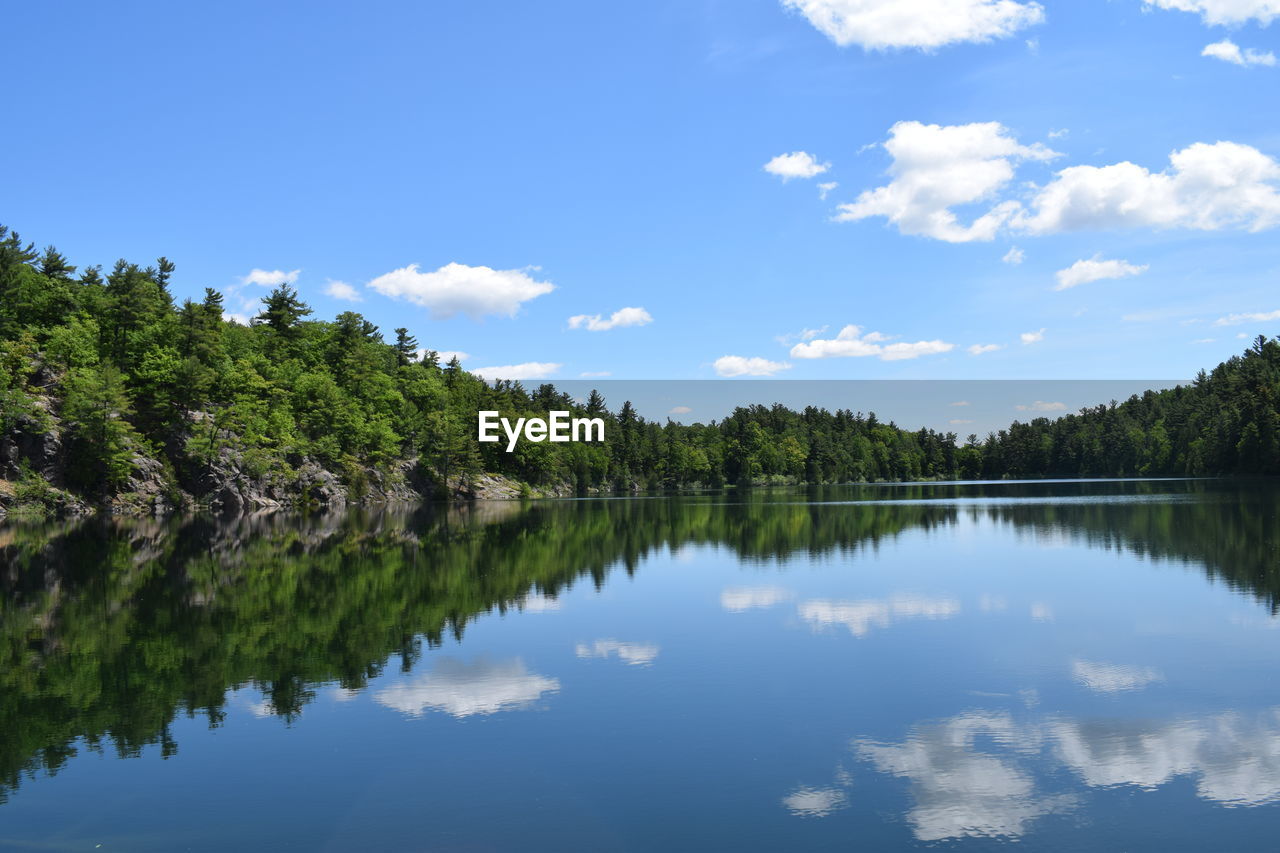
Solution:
(1227, 421)
(127, 372)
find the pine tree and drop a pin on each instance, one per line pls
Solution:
(406, 347)
(53, 264)
(92, 276)
(12, 252)
(212, 303)
(456, 455)
(282, 311)
(164, 270)
(451, 372)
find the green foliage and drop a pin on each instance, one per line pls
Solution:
(406, 347)
(1226, 422)
(32, 493)
(137, 313)
(96, 410)
(134, 371)
(73, 343)
(17, 397)
(282, 309)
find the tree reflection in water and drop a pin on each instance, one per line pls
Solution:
(113, 628)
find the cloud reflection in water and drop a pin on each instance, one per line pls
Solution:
(635, 654)
(1113, 678)
(814, 802)
(736, 599)
(964, 776)
(861, 616)
(466, 689)
(979, 774)
(1236, 760)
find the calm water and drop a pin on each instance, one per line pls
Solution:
(1065, 666)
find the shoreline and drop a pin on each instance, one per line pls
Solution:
(491, 488)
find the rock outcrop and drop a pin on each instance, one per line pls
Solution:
(33, 475)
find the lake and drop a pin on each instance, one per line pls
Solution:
(1061, 665)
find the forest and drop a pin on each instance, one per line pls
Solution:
(113, 393)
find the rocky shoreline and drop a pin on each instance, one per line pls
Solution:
(313, 487)
(33, 481)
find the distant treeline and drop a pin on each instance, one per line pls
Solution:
(124, 373)
(1225, 422)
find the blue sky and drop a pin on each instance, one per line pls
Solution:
(600, 157)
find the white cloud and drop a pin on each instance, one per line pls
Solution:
(537, 604)
(234, 317)
(270, 278)
(618, 319)
(737, 365)
(1096, 269)
(458, 288)
(1041, 612)
(852, 343)
(902, 351)
(936, 168)
(1229, 51)
(1032, 337)
(923, 24)
(635, 654)
(968, 776)
(595, 374)
(862, 615)
(980, 349)
(1014, 256)
(1113, 678)
(959, 421)
(1203, 341)
(1224, 12)
(680, 410)
(964, 779)
(253, 701)
(261, 709)
(1239, 319)
(802, 335)
(342, 290)
(1207, 187)
(342, 694)
(527, 370)
(447, 355)
(797, 164)
(1060, 133)
(814, 802)
(1042, 406)
(736, 599)
(463, 690)
(824, 190)
(1236, 759)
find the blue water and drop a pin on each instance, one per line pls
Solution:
(1061, 666)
